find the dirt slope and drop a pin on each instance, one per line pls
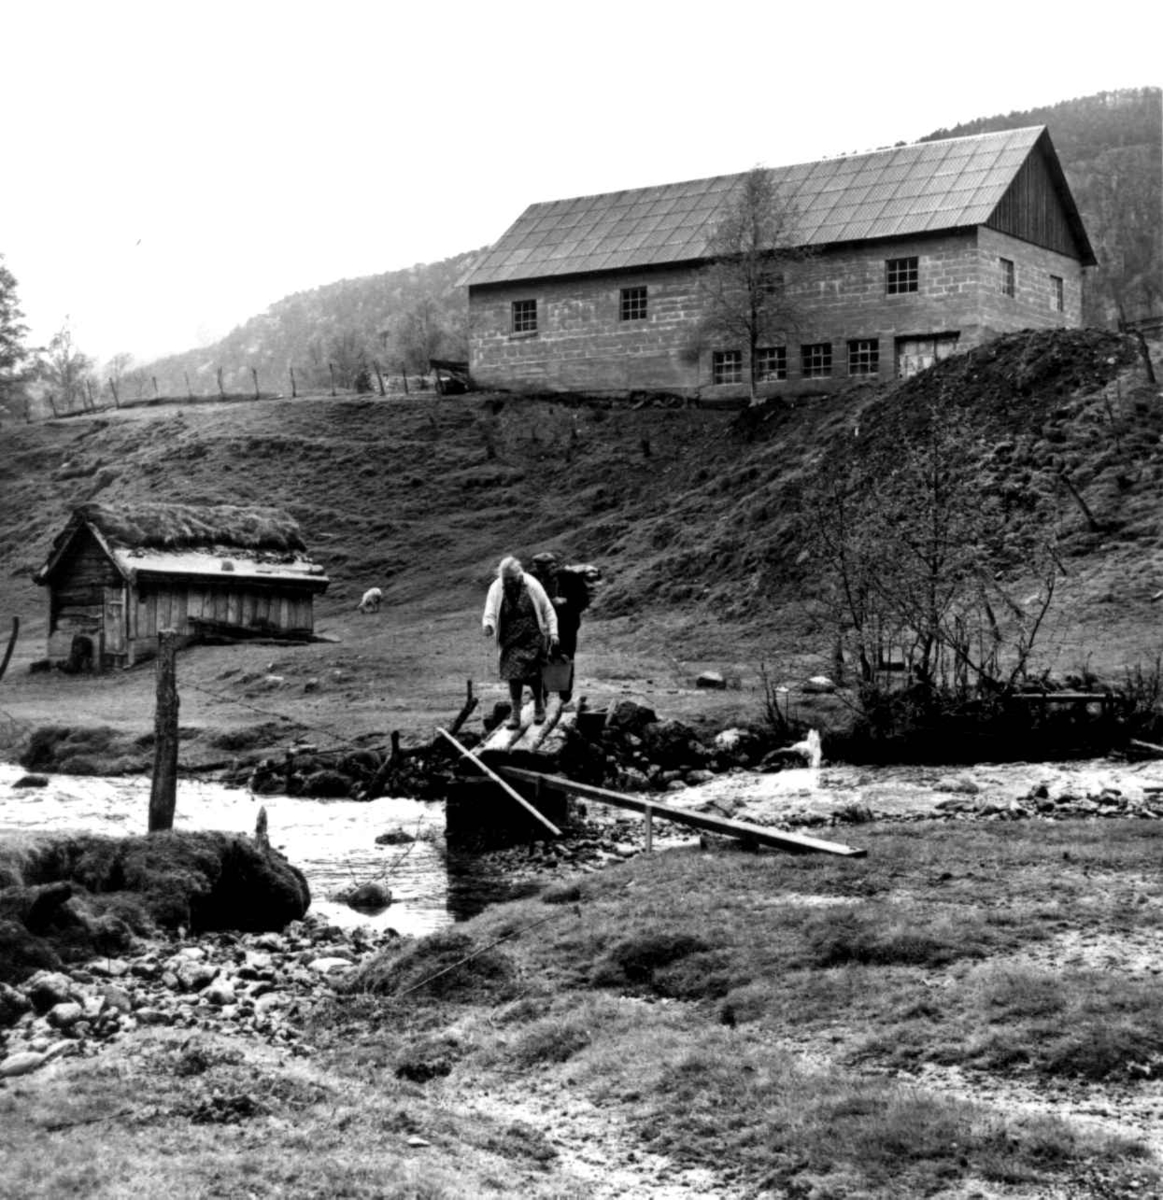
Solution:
(694, 515)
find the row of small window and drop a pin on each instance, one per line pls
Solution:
(901, 275)
(815, 361)
(631, 307)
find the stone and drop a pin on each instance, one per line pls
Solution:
(66, 1015)
(48, 988)
(960, 784)
(23, 1062)
(31, 781)
(194, 976)
(369, 897)
(626, 716)
(153, 1016)
(220, 993)
(818, 685)
(711, 679)
(328, 965)
(13, 1005)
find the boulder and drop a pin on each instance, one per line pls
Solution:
(626, 716)
(673, 745)
(711, 679)
(369, 897)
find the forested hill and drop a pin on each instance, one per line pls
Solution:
(1111, 147)
(394, 321)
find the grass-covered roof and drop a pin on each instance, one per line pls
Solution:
(185, 526)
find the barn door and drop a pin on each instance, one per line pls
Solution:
(114, 620)
(918, 353)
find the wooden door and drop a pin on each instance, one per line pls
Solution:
(113, 621)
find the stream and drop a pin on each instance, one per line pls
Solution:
(331, 841)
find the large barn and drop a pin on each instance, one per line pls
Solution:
(917, 251)
(117, 575)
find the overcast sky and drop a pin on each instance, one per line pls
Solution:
(171, 170)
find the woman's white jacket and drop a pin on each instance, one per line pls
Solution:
(546, 615)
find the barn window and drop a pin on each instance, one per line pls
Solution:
(770, 363)
(1006, 276)
(864, 357)
(816, 360)
(900, 275)
(634, 304)
(1057, 293)
(727, 366)
(524, 316)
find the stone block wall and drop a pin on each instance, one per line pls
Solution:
(582, 344)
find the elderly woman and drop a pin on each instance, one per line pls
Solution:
(519, 615)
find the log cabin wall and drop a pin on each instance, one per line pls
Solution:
(77, 595)
(169, 604)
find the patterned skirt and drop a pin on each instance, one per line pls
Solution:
(522, 643)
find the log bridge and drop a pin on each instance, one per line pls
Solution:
(797, 843)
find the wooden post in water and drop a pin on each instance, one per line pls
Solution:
(164, 792)
(649, 810)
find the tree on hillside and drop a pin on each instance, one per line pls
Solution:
(66, 370)
(923, 563)
(418, 334)
(347, 352)
(116, 370)
(1124, 197)
(743, 288)
(13, 354)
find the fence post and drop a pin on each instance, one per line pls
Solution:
(163, 792)
(649, 812)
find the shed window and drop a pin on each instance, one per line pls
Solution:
(816, 360)
(770, 363)
(634, 304)
(864, 357)
(524, 316)
(1057, 293)
(727, 366)
(1006, 276)
(900, 275)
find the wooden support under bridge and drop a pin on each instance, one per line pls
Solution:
(795, 842)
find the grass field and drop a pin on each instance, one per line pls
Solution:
(969, 1012)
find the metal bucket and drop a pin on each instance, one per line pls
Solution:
(556, 674)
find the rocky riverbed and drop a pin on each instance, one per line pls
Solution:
(255, 985)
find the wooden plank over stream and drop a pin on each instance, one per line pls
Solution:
(796, 842)
(529, 736)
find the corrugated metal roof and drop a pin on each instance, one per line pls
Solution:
(928, 186)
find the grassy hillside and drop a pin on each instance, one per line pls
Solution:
(695, 516)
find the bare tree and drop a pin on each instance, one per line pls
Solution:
(116, 370)
(66, 369)
(925, 569)
(743, 288)
(418, 335)
(13, 353)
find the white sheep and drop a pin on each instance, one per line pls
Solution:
(372, 599)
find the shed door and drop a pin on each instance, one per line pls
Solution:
(114, 621)
(916, 354)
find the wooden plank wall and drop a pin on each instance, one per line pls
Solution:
(170, 605)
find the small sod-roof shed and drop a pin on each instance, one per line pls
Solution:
(117, 574)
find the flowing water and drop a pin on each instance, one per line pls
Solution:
(331, 841)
